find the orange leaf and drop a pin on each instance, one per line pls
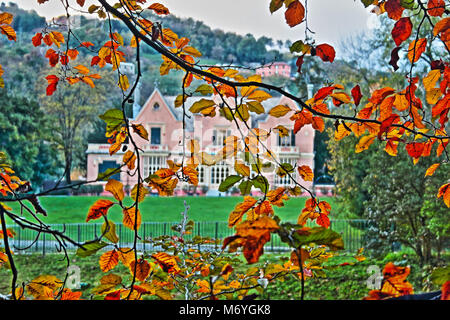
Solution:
(416, 48)
(130, 218)
(159, 9)
(430, 171)
(116, 188)
(129, 158)
(109, 260)
(306, 173)
(436, 8)
(167, 262)
(295, 13)
(141, 269)
(98, 209)
(444, 192)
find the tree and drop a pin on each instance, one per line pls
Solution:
(72, 110)
(24, 135)
(395, 117)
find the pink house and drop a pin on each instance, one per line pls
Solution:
(164, 124)
(276, 68)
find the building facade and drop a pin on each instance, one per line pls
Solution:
(282, 69)
(164, 123)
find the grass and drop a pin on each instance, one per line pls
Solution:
(341, 283)
(74, 209)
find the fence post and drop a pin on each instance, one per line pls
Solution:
(79, 233)
(43, 244)
(143, 236)
(216, 235)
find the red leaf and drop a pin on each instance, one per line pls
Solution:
(98, 209)
(394, 58)
(299, 64)
(356, 94)
(415, 149)
(81, 2)
(436, 8)
(402, 30)
(323, 220)
(37, 39)
(394, 9)
(325, 52)
(295, 13)
(52, 84)
(386, 124)
(323, 93)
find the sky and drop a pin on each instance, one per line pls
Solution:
(331, 20)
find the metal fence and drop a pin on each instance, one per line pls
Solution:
(28, 241)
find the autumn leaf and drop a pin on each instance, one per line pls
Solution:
(131, 219)
(430, 171)
(416, 48)
(130, 159)
(108, 230)
(159, 9)
(394, 9)
(436, 8)
(52, 84)
(415, 149)
(109, 260)
(98, 209)
(138, 192)
(364, 143)
(116, 188)
(306, 173)
(279, 111)
(167, 262)
(141, 269)
(295, 13)
(444, 192)
(402, 30)
(356, 94)
(325, 52)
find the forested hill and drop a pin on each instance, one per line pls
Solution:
(216, 44)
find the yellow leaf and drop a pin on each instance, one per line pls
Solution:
(364, 143)
(279, 111)
(138, 192)
(116, 188)
(242, 169)
(123, 83)
(430, 80)
(192, 51)
(259, 95)
(129, 158)
(82, 69)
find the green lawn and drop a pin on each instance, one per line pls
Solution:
(64, 209)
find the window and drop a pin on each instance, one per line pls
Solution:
(219, 136)
(156, 106)
(288, 141)
(152, 164)
(219, 172)
(201, 174)
(109, 165)
(286, 180)
(155, 136)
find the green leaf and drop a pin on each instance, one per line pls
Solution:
(90, 248)
(108, 173)
(440, 276)
(407, 4)
(229, 182)
(256, 107)
(284, 169)
(297, 46)
(275, 5)
(245, 187)
(320, 236)
(111, 233)
(204, 89)
(261, 183)
(367, 3)
(113, 118)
